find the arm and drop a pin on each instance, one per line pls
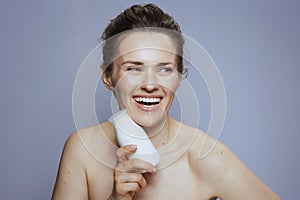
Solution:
(71, 181)
(235, 180)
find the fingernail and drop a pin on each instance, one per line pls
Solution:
(154, 170)
(134, 146)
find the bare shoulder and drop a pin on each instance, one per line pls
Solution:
(73, 149)
(213, 153)
(78, 158)
(226, 174)
(104, 132)
(95, 141)
(208, 151)
(80, 141)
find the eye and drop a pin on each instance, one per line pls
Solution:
(134, 68)
(166, 69)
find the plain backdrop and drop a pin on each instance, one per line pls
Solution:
(255, 45)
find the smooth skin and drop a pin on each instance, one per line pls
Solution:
(94, 167)
(220, 174)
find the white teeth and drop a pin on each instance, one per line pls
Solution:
(147, 100)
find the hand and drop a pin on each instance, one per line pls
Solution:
(128, 173)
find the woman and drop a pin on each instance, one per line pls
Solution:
(143, 67)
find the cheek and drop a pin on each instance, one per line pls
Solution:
(127, 82)
(171, 84)
(124, 87)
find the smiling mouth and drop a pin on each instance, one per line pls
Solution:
(147, 101)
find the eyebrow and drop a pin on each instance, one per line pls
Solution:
(131, 62)
(141, 63)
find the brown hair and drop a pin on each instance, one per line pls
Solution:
(147, 16)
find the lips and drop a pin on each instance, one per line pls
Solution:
(147, 100)
(147, 103)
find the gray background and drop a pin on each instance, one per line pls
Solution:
(255, 45)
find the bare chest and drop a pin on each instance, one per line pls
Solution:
(174, 182)
(177, 181)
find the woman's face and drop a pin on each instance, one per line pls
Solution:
(145, 76)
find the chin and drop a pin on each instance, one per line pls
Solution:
(147, 116)
(149, 119)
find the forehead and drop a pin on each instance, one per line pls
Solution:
(147, 46)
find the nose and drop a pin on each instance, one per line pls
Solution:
(150, 83)
(149, 86)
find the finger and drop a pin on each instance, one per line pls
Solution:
(140, 166)
(121, 178)
(126, 188)
(124, 152)
(136, 166)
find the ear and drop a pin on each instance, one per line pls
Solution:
(184, 73)
(106, 79)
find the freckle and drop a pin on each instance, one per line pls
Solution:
(69, 172)
(221, 152)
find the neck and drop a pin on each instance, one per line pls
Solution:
(160, 134)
